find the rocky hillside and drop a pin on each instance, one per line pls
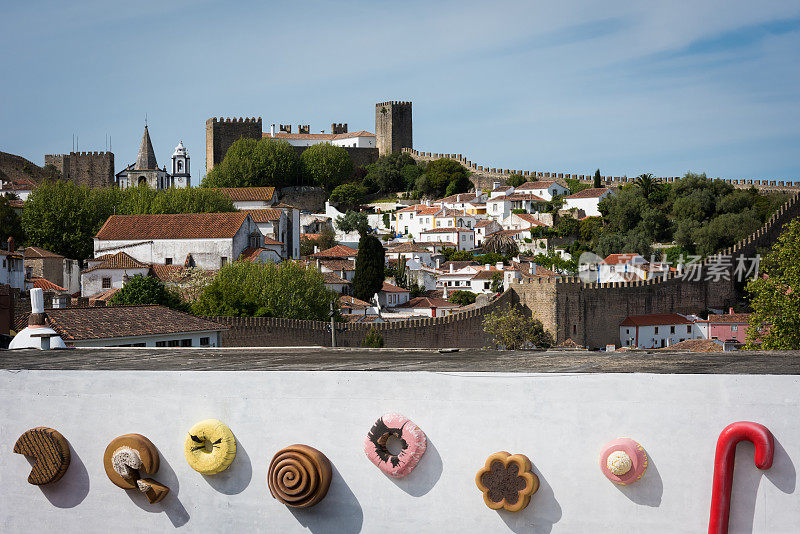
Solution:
(13, 167)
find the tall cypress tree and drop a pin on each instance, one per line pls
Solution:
(371, 259)
(597, 179)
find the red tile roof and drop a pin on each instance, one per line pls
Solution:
(655, 319)
(339, 265)
(617, 259)
(339, 251)
(389, 288)
(407, 247)
(36, 252)
(120, 260)
(540, 184)
(265, 215)
(166, 273)
(333, 278)
(457, 265)
(524, 196)
(104, 322)
(311, 237)
(593, 192)
(263, 194)
(729, 318)
(459, 197)
(46, 285)
(352, 302)
(269, 241)
(172, 226)
(421, 209)
(428, 302)
(527, 217)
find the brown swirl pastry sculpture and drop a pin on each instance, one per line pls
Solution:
(507, 482)
(50, 453)
(299, 476)
(126, 458)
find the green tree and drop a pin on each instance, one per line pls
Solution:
(353, 221)
(326, 165)
(497, 283)
(511, 330)
(515, 180)
(775, 295)
(391, 173)
(462, 297)
(148, 290)
(647, 184)
(326, 240)
(288, 289)
(256, 163)
(443, 177)
(10, 223)
(597, 182)
(349, 196)
(370, 262)
(373, 339)
(502, 244)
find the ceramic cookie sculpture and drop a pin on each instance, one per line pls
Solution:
(50, 452)
(210, 447)
(413, 443)
(507, 481)
(126, 458)
(623, 461)
(299, 476)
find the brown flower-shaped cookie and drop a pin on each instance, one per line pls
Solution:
(507, 481)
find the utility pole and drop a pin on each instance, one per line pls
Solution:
(333, 326)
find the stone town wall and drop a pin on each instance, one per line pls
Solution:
(484, 177)
(92, 169)
(304, 197)
(458, 330)
(590, 314)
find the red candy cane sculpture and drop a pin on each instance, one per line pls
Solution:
(730, 436)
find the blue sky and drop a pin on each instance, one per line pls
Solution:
(629, 87)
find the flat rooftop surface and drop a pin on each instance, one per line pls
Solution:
(349, 359)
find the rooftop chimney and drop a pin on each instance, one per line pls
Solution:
(487, 266)
(272, 130)
(11, 243)
(451, 267)
(730, 310)
(499, 265)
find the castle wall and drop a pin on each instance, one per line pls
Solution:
(393, 126)
(484, 177)
(221, 134)
(458, 330)
(92, 169)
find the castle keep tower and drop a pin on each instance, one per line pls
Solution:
(92, 169)
(393, 126)
(221, 133)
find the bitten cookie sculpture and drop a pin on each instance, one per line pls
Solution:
(128, 456)
(507, 481)
(413, 443)
(623, 461)
(50, 452)
(299, 476)
(210, 447)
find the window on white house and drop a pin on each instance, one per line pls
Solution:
(672, 329)
(735, 328)
(167, 261)
(688, 329)
(161, 343)
(656, 330)
(173, 342)
(204, 341)
(223, 261)
(186, 342)
(106, 284)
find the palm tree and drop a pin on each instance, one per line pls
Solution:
(647, 184)
(501, 244)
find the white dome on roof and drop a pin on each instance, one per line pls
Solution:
(180, 150)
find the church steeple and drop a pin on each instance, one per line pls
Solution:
(147, 156)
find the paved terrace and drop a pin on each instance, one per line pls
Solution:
(465, 360)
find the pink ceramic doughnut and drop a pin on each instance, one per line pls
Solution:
(628, 461)
(412, 441)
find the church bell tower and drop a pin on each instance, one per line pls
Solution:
(180, 167)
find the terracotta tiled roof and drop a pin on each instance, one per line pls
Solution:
(541, 184)
(460, 197)
(265, 215)
(729, 318)
(420, 209)
(311, 237)
(511, 232)
(19, 184)
(333, 278)
(269, 241)
(389, 288)
(36, 252)
(172, 226)
(524, 196)
(655, 319)
(501, 188)
(120, 260)
(339, 265)
(263, 194)
(427, 302)
(104, 322)
(457, 265)
(407, 247)
(166, 273)
(251, 254)
(46, 285)
(339, 251)
(487, 274)
(527, 217)
(105, 295)
(617, 259)
(449, 212)
(594, 192)
(352, 302)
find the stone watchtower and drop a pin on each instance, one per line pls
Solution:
(221, 133)
(393, 126)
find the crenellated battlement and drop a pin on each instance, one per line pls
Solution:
(224, 120)
(485, 175)
(222, 132)
(393, 103)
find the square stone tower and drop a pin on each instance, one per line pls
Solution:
(221, 133)
(393, 126)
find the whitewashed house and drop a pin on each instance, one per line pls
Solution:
(545, 189)
(460, 201)
(459, 238)
(414, 220)
(110, 271)
(250, 198)
(520, 221)
(587, 200)
(204, 240)
(337, 136)
(410, 251)
(484, 229)
(629, 267)
(426, 307)
(13, 269)
(453, 218)
(657, 330)
(391, 296)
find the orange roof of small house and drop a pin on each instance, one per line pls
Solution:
(120, 260)
(655, 319)
(172, 226)
(428, 302)
(617, 259)
(593, 192)
(46, 285)
(248, 193)
(338, 251)
(390, 288)
(265, 215)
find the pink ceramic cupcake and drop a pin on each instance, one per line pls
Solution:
(623, 461)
